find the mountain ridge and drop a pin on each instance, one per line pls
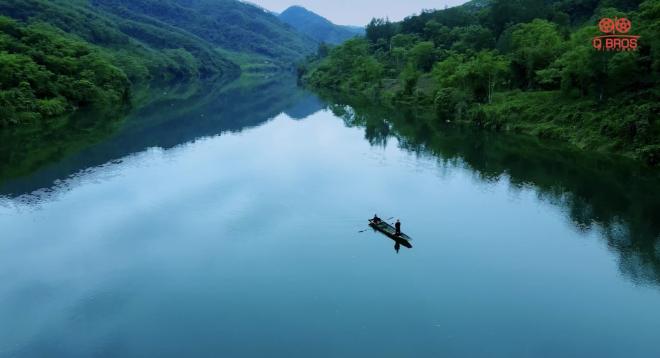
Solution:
(318, 27)
(229, 24)
(58, 56)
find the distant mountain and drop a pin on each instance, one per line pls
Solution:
(318, 27)
(63, 55)
(198, 26)
(143, 49)
(229, 24)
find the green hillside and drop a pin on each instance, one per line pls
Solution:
(90, 52)
(229, 24)
(143, 50)
(46, 73)
(515, 65)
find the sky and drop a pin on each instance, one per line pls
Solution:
(359, 12)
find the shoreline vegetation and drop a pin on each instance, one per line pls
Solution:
(60, 57)
(157, 117)
(523, 66)
(581, 182)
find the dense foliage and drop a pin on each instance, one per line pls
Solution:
(229, 24)
(579, 183)
(219, 106)
(506, 64)
(318, 27)
(142, 49)
(59, 55)
(46, 73)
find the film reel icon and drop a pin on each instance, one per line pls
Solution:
(608, 26)
(622, 25)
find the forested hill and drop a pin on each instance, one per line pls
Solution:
(60, 55)
(318, 27)
(518, 65)
(229, 24)
(142, 49)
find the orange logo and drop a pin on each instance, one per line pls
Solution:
(615, 38)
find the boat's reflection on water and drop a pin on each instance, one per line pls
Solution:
(398, 242)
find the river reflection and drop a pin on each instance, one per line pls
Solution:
(231, 220)
(171, 115)
(617, 198)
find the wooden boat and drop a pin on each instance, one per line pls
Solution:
(390, 231)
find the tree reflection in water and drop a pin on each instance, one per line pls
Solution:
(616, 197)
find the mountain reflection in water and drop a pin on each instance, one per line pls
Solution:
(229, 220)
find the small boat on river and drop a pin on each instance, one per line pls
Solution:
(389, 231)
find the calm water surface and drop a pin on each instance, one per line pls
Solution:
(230, 223)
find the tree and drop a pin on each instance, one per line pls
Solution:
(380, 29)
(504, 13)
(649, 14)
(25, 98)
(366, 70)
(478, 76)
(432, 29)
(422, 55)
(473, 37)
(404, 40)
(409, 76)
(447, 72)
(623, 71)
(399, 54)
(490, 69)
(441, 35)
(535, 46)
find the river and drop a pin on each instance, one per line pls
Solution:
(232, 222)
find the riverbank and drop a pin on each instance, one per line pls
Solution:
(165, 211)
(625, 126)
(531, 70)
(173, 110)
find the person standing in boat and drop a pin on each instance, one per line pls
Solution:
(397, 227)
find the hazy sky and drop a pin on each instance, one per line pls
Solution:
(359, 12)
